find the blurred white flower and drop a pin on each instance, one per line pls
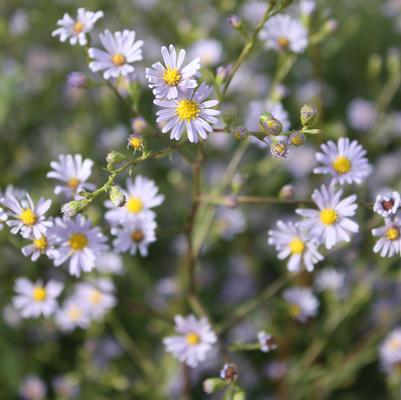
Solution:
(121, 52)
(194, 341)
(32, 388)
(303, 304)
(299, 246)
(78, 241)
(331, 222)
(35, 299)
(267, 342)
(73, 314)
(346, 161)
(110, 263)
(25, 217)
(66, 386)
(361, 114)
(76, 29)
(230, 222)
(307, 6)
(282, 32)
(209, 51)
(390, 350)
(168, 79)
(330, 279)
(191, 112)
(73, 172)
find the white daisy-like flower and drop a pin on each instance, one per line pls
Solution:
(97, 297)
(190, 112)
(73, 172)
(78, 241)
(362, 114)
(389, 235)
(266, 341)
(307, 7)
(330, 279)
(142, 195)
(76, 29)
(166, 80)
(390, 350)
(35, 299)
(302, 303)
(282, 32)
(25, 217)
(32, 388)
(3, 218)
(387, 204)
(346, 161)
(136, 235)
(121, 51)
(291, 241)
(331, 222)
(38, 247)
(194, 341)
(73, 314)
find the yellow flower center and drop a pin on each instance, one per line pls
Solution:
(78, 27)
(137, 236)
(192, 338)
(187, 110)
(118, 59)
(41, 244)
(328, 216)
(78, 241)
(297, 246)
(342, 165)
(95, 297)
(295, 310)
(39, 293)
(297, 140)
(135, 142)
(171, 76)
(134, 205)
(73, 183)
(74, 313)
(28, 217)
(395, 344)
(283, 42)
(392, 233)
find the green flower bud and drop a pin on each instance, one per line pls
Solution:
(117, 197)
(74, 207)
(270, 125)
(211, 385)
(239, 395)
(235, 21)
(113, 158)
(308, 114)
(239, 132)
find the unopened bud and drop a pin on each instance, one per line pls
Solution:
(229, 373)
(287, 192)
(117, 197)
(235, 21)
(297, 139)
(270, 125)
(222, 73)
(211, 385)
(229, 116)
(114, 157)
(279, 147)
(74, 207)
(239, 395)
(308, 114)
(240, 132)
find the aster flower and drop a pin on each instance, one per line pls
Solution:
(189, 111)
(387, 204)
(38, 247)
(389, 242)
(345, 161)
(331, 222)
(282, 32)
(194, 341)
(32, 388)
(136, 235)
(142, 194)
(73, 172)
(266, 341)
(73, 314)
(76, 29)
(390, 350)
(121, 52)
(35, 299)
(330, 279)
(78, 241)
(362, 114)
(166, 80)
(25, 217)
(291, 241)
(302, 303)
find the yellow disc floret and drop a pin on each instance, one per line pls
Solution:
(295, 310)
(41, 244)
(74, 313)
(283, 42)
(192, 338)
(187, 110)
(342, 165)
(78, 27)
(39, 293)
(95, 297)
(135, 142)
(297, 246)
(137, 236)
(134, 205)
(28, 217)
(392, 233)
(118, 59)
(171, 76)
(78, 241)
(73, 183)
(328, 216)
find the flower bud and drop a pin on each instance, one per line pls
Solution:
(235, 21)
(211, 385)
(297, 139)
(222, 73)
(76, 80)
(74, 207)
(114, 157)
(287, 192)
(279, 147)
(308, 114)
(229, 116)
(135, 141)
(117, 197)
(239, 395)
(229, 373)
(240, 132)
(270, 125)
